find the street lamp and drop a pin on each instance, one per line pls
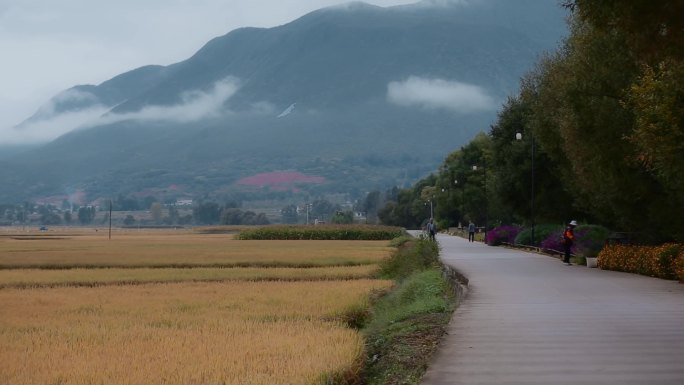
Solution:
(518, 136)
(110, 219)
(462, 198)
(484, 171)
(430, 201)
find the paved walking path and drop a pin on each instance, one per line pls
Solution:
(529, 319)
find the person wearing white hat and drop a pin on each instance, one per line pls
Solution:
(568, 240)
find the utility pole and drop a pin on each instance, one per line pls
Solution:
(518, 136)
(307, 213)
(110, 219)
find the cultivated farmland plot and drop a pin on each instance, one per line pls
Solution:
(138, 315)
(179, 249)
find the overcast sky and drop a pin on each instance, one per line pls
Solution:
(47, 46)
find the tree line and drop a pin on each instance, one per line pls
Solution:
(600, 134)
(203, 213)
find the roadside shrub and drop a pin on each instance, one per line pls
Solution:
(323, 232)
(679, 266)
(554, 242)
(664, 261)
(400, 241)
(501, 234)
(590, 239)
(541, 232)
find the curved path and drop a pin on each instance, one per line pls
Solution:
(529, 319)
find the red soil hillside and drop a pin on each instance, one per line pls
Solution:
(279, 180)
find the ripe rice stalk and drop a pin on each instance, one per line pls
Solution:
(33, 278)
(187, 333)
(131, 250)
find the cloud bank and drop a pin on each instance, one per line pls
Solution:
(196, 105)
(45, 130)
(439, 94)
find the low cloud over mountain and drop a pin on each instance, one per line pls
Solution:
(48, 124)
(440, 93)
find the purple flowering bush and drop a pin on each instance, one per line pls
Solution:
(554, 241)
(498, 235)
(589, 240)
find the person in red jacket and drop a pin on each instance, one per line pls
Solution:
(568, 240)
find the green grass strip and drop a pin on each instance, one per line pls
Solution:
(406, 325)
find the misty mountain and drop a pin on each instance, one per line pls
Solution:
(367, 97)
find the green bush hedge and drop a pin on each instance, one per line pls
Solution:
(323, 232)
(590, 239)
(665, 261)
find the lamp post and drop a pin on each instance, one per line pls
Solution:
(110, 219)
(430, 201)
(518, 136)
(462, 198)
(484, 171)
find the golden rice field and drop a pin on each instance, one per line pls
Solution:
(179, 249)
(204, 325)
(28, 278)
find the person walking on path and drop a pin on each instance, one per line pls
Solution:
(432, 229)
(471, 232)
(568, 240)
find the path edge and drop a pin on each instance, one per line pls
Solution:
(458, 281)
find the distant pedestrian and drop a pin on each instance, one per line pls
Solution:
(471, 232)
(432, 229)
(568, 240)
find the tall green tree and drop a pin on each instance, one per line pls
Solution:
(156, 211)
(410, 209)
(323, 210)
(528, 184)
(86, 214)
(468, 173)
(652, 28)
(207, 213)
(371, 204)
(343, 217)
(289, 214)
(658, 104)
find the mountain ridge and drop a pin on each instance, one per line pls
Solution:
(366, 81)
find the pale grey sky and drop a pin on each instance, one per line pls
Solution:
(51, 45)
